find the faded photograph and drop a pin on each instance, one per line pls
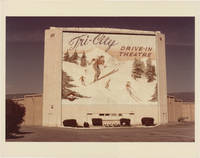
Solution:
(100, 79)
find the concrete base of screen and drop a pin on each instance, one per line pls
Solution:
(110, 113)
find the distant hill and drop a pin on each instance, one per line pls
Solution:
(185, 96)
(18, 95)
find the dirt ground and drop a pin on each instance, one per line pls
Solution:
(180, 132)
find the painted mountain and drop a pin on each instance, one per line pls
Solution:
(96, 77)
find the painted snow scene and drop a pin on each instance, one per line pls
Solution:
(108, 69)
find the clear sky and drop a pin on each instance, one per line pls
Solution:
(25, 47)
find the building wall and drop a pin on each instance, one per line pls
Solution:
(134, 113)
(52, 78)
(33, 109)
(53, 112)
(178, 110)
(33, 105)
(162, 80)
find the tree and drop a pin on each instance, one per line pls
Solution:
(74, 58)
(155, 95)
(66, 56)
(138, 69)
(83, 60)
(150, 72)
(14, 117)
(66, 79)
(67, 93)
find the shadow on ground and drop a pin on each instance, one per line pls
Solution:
(180, 132)
(17, 135)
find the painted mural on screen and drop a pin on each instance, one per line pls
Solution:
(108, 69)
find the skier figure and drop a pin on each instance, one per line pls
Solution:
(107, 84)
(130, 91)
(99, 61)
(82, 78)
(128, 87)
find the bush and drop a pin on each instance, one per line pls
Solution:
(70, 123)
(14, 117)
(97, 122)
(86, 124)
(125, 122)
(147, 121)
(182, 119)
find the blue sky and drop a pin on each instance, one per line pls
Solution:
(25, 47)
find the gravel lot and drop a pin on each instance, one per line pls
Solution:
(181, 132)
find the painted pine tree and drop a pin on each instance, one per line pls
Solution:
(66, 79)
(138, 69)
(66, 56)
(150, 72)
(74, 58)
(83, 60)
(155, 95)
(67, 93)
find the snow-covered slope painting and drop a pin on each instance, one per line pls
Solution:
(108, 72)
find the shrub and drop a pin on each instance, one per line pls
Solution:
(125, 122)
(86, 124)
(182, 119)
(147, 121)
(97, 122)
(14, 117)
(70, 123)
